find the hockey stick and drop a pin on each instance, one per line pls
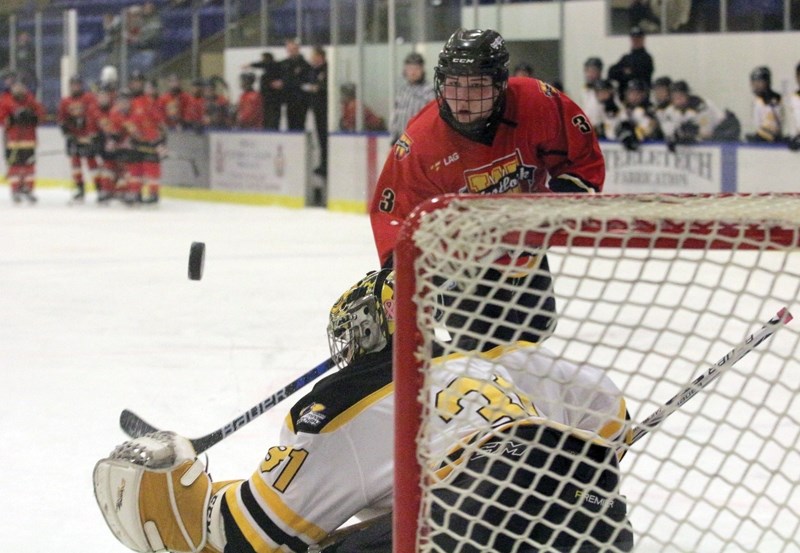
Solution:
(728, 360)
(134, 426)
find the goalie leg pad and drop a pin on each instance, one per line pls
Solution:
(154, 494)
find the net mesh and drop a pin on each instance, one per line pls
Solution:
(620, 303)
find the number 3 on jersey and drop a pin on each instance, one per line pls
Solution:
(387, 200)
(582, 124)
(498, 403)
(288, 470)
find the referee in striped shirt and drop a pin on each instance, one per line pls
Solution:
(412, 95)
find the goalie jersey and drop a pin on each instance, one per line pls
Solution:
(335, 457)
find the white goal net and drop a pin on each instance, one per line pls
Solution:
(536, 337)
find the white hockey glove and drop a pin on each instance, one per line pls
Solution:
(153, 493)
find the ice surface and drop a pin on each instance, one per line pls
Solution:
(97, 314)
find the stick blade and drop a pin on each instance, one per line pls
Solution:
(133, 425)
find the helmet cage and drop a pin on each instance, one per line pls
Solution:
(358, 322)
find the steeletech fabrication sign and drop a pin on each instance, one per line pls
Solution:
(653, 169)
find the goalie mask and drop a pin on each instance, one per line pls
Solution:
(470, 82)
(362, 320)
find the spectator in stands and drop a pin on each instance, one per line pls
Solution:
(767, 108)
(270, 85)
(411, 96)
(523, 69)
(794, 105)
(294, 72)
(112, 31)
(25, 56)
(636, 64)
(250, 109)
(317, 89)
(149, 36)
(350, 106)
(592, 74)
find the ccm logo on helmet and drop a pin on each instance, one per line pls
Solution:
(463, 60)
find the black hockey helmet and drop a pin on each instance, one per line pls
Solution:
(761, 73)
(479, 53)
(680, 87)
(362, 319)
(594, 62)
(662, 81)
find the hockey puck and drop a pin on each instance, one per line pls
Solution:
(197, 256)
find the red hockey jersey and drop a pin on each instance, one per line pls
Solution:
(545, 143)
(20, 117)
(77, 116)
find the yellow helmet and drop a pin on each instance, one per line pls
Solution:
(362, 319)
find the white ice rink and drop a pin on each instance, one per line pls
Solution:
(97, 314)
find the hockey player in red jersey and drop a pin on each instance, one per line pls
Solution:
(77, 117)
(110, 123)
(335, 456)
(175, 104)
(147, 131)
(20, 114)
(486, 133)
(250, 109)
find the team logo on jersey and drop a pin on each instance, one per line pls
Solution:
(312, 415)
(402, 147)
(507, 174)
(547, 89)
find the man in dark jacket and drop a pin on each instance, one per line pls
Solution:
(636, 64)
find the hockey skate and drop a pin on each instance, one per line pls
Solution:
(27, 193)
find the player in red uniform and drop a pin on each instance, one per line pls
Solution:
(250, 110)
(146, 127)
(174, 103)
(111, 130)
(488, 134)
(77, 117)
(485, 134)
(20, 114)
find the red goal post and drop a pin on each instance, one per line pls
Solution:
(693, 272)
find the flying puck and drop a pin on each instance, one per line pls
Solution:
(197, 256)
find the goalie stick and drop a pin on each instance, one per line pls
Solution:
(728, 360)
(134, 426)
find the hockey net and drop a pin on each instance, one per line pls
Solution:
(654, 291)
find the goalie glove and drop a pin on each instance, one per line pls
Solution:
(154, 494)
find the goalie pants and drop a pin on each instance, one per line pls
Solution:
(522, 488)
